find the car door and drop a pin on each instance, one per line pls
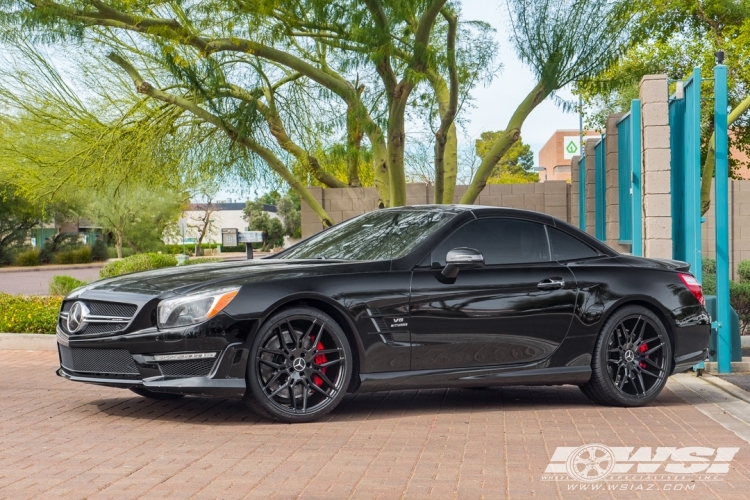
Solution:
(516, 309)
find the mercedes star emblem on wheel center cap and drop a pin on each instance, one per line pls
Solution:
(77, 317)
(629, 356)
(299, 364)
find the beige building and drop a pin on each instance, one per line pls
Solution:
(556, 154)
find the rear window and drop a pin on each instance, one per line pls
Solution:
(567, 247)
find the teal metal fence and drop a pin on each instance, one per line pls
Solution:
(684, 123)
(600, 189)
(629, 178)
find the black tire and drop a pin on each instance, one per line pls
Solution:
(299, 367)
(632, 359)
(155, 395)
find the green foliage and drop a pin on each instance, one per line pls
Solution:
(28, 314)
(207, 260)
(82, 255)
(28, 257)
(739, 297)
(126, 252)
(290, 211)
(709, 266)
(743, 269)
(136, 263)
(62, 285)
(273, 230)
(17, 216)
(514, 167)
(99, 251)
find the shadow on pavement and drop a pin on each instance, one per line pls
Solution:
(379, 405)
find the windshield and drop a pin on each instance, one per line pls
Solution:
(378, 235)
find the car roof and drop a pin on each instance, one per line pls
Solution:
(482, 210)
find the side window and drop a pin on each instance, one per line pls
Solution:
(501, 241)
(567, 247)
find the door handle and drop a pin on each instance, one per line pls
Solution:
(551, 284)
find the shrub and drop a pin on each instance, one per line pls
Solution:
(28, 258)
(28, 314)
(82, 255)
(743, 270)
(99, 251)
(709, 266)
(201, 261)
(135, 263)
(62, 285)
(709, 284)
(739, 297)
(126, 252)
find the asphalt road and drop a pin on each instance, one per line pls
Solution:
(37, 282)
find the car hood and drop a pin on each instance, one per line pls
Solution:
(184, 279)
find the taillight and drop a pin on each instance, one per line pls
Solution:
(694, 287)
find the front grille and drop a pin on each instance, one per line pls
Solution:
(99, 308)
(102, 361)
(190, 368)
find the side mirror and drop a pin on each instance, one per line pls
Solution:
(461, 258)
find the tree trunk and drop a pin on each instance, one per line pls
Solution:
(503, 143)
(354, 136)
(708, 167)
(118, 245)
(445, 177)
(396, 144)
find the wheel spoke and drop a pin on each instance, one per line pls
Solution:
(324, 393)
(643, 330)
(655, 375)
(643, 385)
(325, 378)
(309, 331)
(273, 379)
(270, 363)
(618, 332)
(326, 351)
(280, 388)
(317, 339)
(653, 349)
(651, 362)
(293, 333)
(291, 396)
(282, 342)
(272, 351)
(328, 363)
(305, 388)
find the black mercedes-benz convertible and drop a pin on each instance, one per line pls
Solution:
(403, 298)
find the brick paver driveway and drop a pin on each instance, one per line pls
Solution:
(61, 439)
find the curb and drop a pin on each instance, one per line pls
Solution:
(728, 387)
(54, 267)
(737, 366)
(28, 342)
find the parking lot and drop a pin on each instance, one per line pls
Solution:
(68, 440)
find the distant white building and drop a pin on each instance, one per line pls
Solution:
(220, 216)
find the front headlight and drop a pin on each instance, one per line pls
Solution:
(183, 311)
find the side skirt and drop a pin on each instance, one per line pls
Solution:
(473, 377)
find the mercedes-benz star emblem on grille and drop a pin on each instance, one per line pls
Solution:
(77, 317)
(299, 364)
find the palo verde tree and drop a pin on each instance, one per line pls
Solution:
(256, 72)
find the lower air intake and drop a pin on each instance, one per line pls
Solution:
(102, 361)
(190, 368)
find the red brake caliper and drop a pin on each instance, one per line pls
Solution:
(319, 360)
(643, 348)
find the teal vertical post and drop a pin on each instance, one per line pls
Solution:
(582, 191)
(635, 158)
(694, 254)
(721, 204)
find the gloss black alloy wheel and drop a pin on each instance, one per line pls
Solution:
(632, 359)
(299, 367)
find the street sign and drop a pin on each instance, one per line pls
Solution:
(229, 237)
(571, 146)
(250, 237)
(183, 225)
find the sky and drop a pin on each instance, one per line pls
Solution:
(495, 103)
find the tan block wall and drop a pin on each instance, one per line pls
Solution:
(657, 211)
(552, 197)
(739, 225)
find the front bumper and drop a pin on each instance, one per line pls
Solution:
(127, 360)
